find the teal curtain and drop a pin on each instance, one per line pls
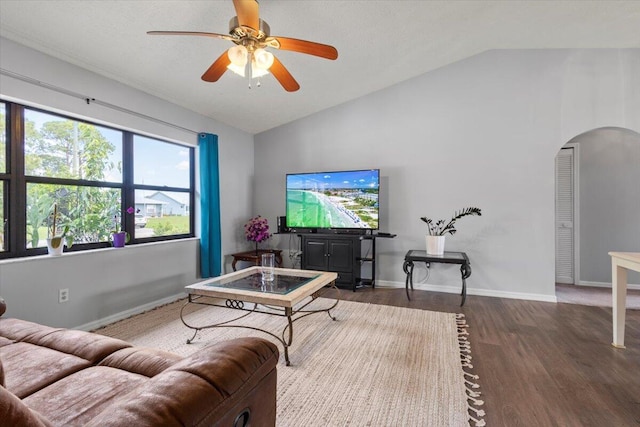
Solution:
(210, 242)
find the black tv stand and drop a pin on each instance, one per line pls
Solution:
(356, 232)
(341, 253)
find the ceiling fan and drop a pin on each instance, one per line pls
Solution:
(249, 57)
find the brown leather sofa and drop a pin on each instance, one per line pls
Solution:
(61, 377)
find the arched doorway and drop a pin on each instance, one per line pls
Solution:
(606, 191)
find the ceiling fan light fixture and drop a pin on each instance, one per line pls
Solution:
(238, 55)
(263, 59)
(255, 71)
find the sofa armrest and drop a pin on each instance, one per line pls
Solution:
(15, 413)
(209, 388)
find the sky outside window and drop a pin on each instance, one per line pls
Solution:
(160, 163)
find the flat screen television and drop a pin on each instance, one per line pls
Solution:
(333, 200)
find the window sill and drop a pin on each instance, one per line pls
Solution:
(93, 252)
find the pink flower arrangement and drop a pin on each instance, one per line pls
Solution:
(257, 229)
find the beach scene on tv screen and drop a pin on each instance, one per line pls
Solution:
(333, 199)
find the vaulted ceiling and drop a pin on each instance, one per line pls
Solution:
(380, 43)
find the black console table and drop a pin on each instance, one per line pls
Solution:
(447, 258)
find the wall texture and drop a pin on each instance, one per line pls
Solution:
(481, 132)
(104, 283)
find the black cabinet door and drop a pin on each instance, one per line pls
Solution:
(315, 254)
(340, 255)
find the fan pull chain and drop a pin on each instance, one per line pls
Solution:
(248, 68)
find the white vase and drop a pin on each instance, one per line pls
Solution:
(55, 251)
(435, 245)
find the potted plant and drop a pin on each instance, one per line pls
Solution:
(437, 230)
(120, 237)
(257, 230)
(55, 240)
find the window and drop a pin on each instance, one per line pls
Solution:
(162, 182)
(88, 211)
(93, 176)
(2, 217)
(3, 138)
(3, 173)
(59, 147)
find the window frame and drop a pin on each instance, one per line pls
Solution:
(15, 183)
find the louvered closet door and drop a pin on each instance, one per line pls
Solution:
(564, 216)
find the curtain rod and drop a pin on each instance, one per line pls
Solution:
(90, 100)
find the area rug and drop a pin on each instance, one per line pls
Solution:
(375, 365)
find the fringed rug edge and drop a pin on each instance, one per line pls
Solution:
(474, 404)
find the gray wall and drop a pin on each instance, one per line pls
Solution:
(106, 282)
(609, 200)
(481, 132)
(102, 283)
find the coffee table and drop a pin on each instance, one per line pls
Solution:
(288, 295)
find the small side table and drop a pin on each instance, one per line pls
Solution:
(255, 257)
(447, 258)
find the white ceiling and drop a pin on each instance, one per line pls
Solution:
(380, 43)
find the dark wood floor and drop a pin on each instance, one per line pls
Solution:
(541, 364)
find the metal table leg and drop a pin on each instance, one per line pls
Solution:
(465, 270)
(408, 270)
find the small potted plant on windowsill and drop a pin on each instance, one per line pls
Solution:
(437, 230)
(120, 237)
(57, 242)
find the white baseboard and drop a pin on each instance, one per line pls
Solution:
(379, 283)
(605, 285)
(470, 291)
(128, 313)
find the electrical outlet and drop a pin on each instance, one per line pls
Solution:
(63, 295)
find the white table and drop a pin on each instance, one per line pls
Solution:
(621, 262)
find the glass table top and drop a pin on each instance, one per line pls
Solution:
(281, 284)
(452, 256)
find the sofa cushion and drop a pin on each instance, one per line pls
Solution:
(79, 397)
(5, 341)
(144, 361)
(89, 346)
(29, 368)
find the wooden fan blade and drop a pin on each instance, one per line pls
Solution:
(248, 13)
(283, 76)
(303, 46)
(217, 69)
(189, 33)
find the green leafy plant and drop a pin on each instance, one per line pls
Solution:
(53, 229)
(162, 228)
(440, 228)
(38, 211)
